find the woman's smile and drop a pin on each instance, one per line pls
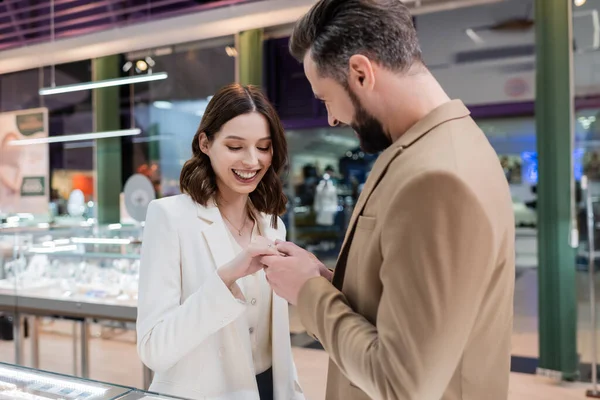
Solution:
(245, 176)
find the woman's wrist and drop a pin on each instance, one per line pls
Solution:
(230, 272)
(227, 276)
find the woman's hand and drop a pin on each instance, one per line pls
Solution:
(248, 261)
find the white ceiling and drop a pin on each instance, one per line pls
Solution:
(445, 34)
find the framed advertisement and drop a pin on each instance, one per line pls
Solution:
(24, 168)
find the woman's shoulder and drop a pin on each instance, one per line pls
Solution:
(173, 205)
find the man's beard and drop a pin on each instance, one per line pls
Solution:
(371, 134)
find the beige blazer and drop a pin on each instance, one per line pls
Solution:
(190, 328)
(421, 304)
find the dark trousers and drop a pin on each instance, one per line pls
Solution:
(265, 384)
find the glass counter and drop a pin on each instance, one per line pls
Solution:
(96, 264)
(25, 383)
(140, 395)
(31, 384)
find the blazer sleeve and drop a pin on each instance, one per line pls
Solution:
(437, 247)
(168, 328)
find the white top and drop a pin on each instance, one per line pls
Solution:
(258, 294)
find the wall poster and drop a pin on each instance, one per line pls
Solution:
(24, 168)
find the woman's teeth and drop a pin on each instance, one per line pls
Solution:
(245, 175)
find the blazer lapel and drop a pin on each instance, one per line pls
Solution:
(374, 178)
(452, 110)
(216, 236)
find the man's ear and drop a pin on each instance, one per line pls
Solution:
(360, 75)
(204, 143)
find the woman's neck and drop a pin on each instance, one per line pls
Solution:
(234, 206)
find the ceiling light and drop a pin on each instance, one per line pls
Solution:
(474, 36)
(72, 138)
(579, 3)
(231, 51)
(102, 84)
(141, 66)
(166, 105)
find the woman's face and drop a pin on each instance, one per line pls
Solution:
(240, 153)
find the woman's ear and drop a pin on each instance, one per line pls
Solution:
(204, 144)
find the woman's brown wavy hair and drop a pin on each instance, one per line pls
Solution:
(197, 176)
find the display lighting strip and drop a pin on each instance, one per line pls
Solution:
(99, 241)
(54, 249)
(53, 243)
(73, 138)
(22, 376)
(103, 84)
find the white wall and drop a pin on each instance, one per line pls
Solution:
(443, 35)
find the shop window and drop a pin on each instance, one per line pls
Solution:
(169, 111)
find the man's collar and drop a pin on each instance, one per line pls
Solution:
(448, 111)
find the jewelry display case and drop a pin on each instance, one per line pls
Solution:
(31, 384)
(23, 383)
(86, 274)
(97, 265)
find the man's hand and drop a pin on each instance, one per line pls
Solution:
(287, 275)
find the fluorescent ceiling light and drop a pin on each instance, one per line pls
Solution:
(163, 104)
(474, 36)
(102, 84)
(73, 138)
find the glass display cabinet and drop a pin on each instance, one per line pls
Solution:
(95, 264)
(80, 273)
(25, 383)
(32, 384)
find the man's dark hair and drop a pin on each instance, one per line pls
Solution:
(335, 30)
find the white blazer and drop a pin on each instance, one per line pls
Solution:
(190, 328)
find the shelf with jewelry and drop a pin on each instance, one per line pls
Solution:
(25, 383)
(81, 273)
(83, 266)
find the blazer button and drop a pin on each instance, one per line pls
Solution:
(251, 330)
(253, 301)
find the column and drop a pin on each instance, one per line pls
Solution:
(106, 108)
(554, 109)
(249, 68)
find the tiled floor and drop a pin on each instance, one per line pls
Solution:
(115, 360)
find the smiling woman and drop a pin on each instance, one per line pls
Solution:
(203, 290)
(240, 146)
